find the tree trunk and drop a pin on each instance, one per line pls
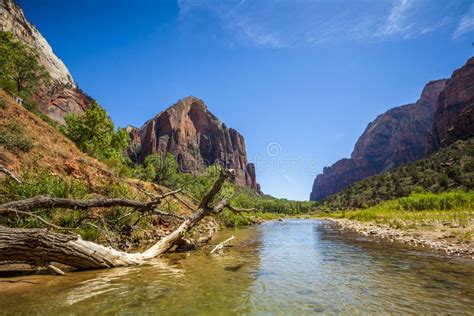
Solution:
(41, 246)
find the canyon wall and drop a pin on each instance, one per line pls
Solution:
(395, 137)
(454, 117)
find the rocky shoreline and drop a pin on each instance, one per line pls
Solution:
(435, 240)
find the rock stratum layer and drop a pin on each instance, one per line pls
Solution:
(398, 136)
(190, 132)
(61, 96)
(454, 117)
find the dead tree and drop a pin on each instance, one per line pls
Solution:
(42, 246)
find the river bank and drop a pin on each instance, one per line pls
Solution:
(439, 237)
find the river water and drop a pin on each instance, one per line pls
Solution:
(292, 267)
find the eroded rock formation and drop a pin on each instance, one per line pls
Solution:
(196, 138)
(395, 137)
(454, 117)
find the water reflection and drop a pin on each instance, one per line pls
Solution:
(291, 267)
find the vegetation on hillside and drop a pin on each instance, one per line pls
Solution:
(94, 133)
(450, 168)
(12, 138)
(20, 71)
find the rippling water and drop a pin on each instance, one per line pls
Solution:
(291, 267)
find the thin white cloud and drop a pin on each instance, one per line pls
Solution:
(261, 38)
(397, 21)
(284, 23)
(466, 24)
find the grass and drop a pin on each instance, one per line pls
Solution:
(454, 208)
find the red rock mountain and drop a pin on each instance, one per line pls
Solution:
(61, 96)
(454, 117)
(398, 136)
(196, 138)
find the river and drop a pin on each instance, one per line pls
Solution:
(292, 267)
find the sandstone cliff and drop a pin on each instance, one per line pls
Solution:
(398, 136)
(454, 117)
(196, 138)
(61, 96)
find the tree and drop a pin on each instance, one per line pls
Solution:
(94, 133)
(20, 71)
(161, 170)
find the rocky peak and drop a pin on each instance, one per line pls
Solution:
(395, 137)
(196, 138)
(61, 96)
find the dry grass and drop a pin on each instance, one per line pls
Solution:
(51, 150)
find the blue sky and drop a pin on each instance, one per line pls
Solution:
(300, 79)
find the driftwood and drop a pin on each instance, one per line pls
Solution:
(222, 244)
(43, 247)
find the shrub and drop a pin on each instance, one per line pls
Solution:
(94, 133)
(42, 183)
(12, 138)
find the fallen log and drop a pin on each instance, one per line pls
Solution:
(42, 247)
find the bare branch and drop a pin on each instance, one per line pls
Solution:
(10, 174)
(169, 193)
(222, 244)
(52, 202)
(224, 174)
(184, 202)
(54, 270)
(190, 196)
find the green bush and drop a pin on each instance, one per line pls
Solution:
(94, 133)
(3, 104)
(42, 183)
(12, 138)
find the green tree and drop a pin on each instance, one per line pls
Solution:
(162, 170)
(20, 71)
(94, 133)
